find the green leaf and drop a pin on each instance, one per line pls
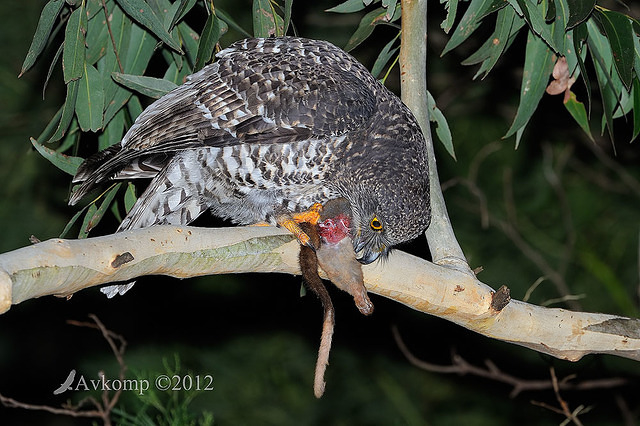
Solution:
(112, 133)
(71, 138)
(442, 127)
(65, 163)
(266, 22)
(86, 226)
(143, 14)
(115, 57)
(506, 28)
(73, 54)
(451, 6)
(148, 86)
(233, 24)
(184, 7)
(348, 6)
(48, 17)
(620, 35)
(534, 14)
(213, 29)
(636, 107)
(609, 83)
(470, 21)
(367, 24)
(387, 52)
(73, 220)
(90, 102)
(93, 7)
(51, 69)
(559, 32)
(579, 35)
(97, 39)
(135, 107)
(538, 66)
(579, 11)
(190, 41)
(67, 111)
(175, 75)
(130, 197)
(579, 113)
(551, 11)
(139, 52)
(288, 5)
(390, 5)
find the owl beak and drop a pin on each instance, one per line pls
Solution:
(368, 256)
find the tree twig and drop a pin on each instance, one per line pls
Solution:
(462, 367)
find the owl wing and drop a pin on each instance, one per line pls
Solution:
(274, 90)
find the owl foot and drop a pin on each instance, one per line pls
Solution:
(291, 221)
(311, 216)
(292, 226)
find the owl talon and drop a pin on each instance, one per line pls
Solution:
(311, 216)
(292, 226)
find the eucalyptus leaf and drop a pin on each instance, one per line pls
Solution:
(66, 163)
(610, 86)
(451, 6)
(90, 102)
(266, 22)
(231, 22)
(506, 27)
(579, 11)
(579, 113)
(213, 30)
(130, 197)
(73, 55)
(184, 7)
(636, 108)
(148, 86)
(143, 14)
(534, 14)
(288, 5)
(366, 26)
(348, 6)
(538, 66)
(442, 127)
(477, 10)
(112, 133)
(620, 35)
(385, 55)
(48, 17)
(67, 111)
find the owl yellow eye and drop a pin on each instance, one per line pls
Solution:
(376, 225)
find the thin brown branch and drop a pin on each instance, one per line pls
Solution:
(461, 367)
(113, 41)
(102, 409)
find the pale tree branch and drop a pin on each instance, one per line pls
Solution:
(444, 247)
(62, 267)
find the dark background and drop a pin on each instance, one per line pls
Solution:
(258, 338)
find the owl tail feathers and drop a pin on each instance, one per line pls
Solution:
(93, 170)
(111, 290)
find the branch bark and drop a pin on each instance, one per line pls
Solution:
(62, 267)
(444, 247)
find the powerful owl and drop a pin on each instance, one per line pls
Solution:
(273, 127)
